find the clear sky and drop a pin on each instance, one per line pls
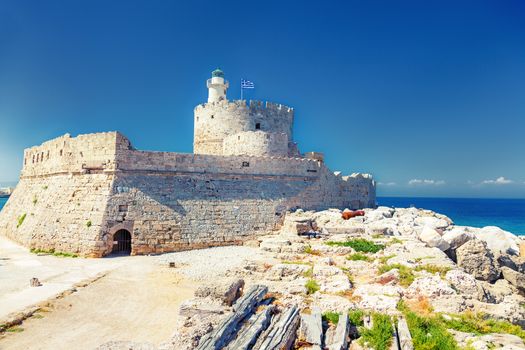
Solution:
(428, 96)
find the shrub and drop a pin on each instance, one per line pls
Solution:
(332, 317)
(429, 333)
(442, 270)
(88, 224)
(406, 275)
(379, 337)
(477, 324)
(308, 250)
(21, 220)
(311, 286)
(356, 317)
(359, 245)
(358, 256)
(35, 200)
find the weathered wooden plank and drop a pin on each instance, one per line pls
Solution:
(403, 333)
(282, 331)
(225, 331)
(340, 337)
(247, 336)
(310, 332)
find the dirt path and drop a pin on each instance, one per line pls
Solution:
(137, 302)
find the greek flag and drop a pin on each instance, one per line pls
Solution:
(246, 84)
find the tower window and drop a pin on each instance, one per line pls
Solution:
(257, 126)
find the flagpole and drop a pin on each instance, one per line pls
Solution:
(241, 89)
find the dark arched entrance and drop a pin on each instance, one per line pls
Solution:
(122, 242)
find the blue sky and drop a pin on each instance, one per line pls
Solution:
(428, 96)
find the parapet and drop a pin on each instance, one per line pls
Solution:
(315, 155)
(66, 154)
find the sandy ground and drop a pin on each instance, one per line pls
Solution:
(137, 300)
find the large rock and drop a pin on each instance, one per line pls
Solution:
(496, 292)
(433, 239)
(298, 225)
(227, 292)
(458, 236)
(463, 282)
(499, 241)
(287, 271)
(378, 298)
(517, 279)
(432, 222)
(475, 258)
(275, 244)
(331, 279)
(430, 287)
(335, 303)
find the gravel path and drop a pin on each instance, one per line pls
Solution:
(203, 264)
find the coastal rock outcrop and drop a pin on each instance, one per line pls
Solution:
(498, 240)
(476, 259)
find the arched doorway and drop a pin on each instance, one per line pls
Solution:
(122, 242)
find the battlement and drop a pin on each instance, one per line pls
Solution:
(261, 105)
(74, 154)
(219, 120)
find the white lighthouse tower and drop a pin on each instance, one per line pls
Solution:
(217, 86)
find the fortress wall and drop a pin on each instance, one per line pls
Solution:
(132, 160)
(256, 143)
(63, 212)
(168, 201)
(273, 117)
(71, 154)
(188, 211)
(215, 121)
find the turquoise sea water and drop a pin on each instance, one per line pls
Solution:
(509, 214)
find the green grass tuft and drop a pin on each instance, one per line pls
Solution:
(308, 250)
(406, 275)
(356, 317)
(379, 337)
(331, 317)
(359, 245)
(14, 329)
(21, 220)
(311, 286)
(429, 333)
(52, 252)
(88, 224)
(478, 324)
(358, 257)
(442, 270)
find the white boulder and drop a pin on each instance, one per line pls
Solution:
(433, 239)
(499, 241)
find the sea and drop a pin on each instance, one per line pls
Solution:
(509, 214)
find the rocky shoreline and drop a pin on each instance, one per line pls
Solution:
(437, 285)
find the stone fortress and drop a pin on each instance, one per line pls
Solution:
(95, 194)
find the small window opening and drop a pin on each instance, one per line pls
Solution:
(257, 126)
(245, 164)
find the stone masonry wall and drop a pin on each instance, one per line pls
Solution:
(167, 201)
(257, 143)
(62, 212)
(215, 121)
